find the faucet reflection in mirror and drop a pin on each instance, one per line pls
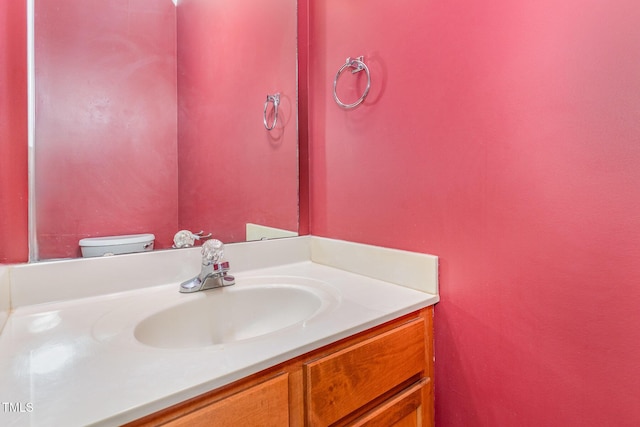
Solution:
(130, 132)
(186, 239)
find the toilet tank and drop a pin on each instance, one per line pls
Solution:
(114, 245)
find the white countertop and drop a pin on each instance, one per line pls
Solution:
(59, 368)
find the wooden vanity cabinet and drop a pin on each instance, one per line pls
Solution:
(380, 377)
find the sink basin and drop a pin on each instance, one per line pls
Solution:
(248, 310)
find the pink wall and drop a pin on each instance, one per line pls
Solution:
(13, 133)
(232, 170)
(106, 122)
(505, 138)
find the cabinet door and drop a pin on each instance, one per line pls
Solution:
(343, 382)
(403, 410)
(263, 405)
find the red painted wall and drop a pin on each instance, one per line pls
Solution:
(13, 133)
(232, 170)
(505, 138)
(106, 122)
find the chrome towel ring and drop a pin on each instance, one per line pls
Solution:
(356, 65)
(275, 99)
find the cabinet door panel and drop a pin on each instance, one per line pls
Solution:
(344, 381)
(263, 405)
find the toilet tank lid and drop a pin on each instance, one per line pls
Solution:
(117, 240)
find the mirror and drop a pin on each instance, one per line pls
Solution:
(150, 118)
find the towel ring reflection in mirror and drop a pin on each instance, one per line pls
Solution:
(275, 100)
(356, 66)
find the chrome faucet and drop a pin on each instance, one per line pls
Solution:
(214, 272)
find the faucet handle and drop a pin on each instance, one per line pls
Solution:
(212, 251)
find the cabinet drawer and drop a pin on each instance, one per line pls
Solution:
(403, 409)
(344, 381)
(263, 405)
